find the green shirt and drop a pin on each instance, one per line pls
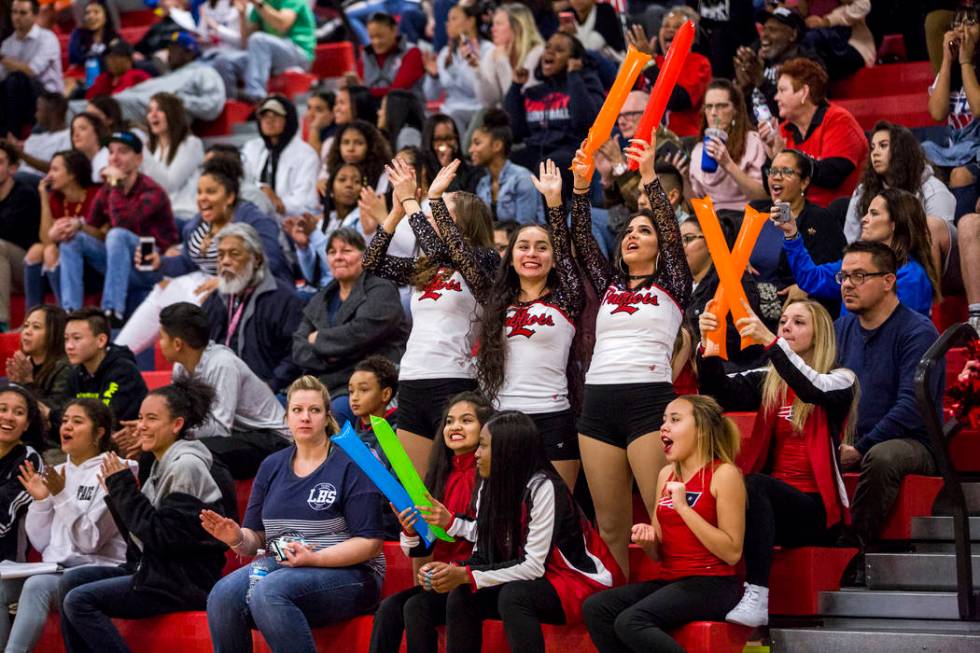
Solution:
(302, 31)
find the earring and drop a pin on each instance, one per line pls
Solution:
(802, 102)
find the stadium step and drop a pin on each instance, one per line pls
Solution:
(891, 605)
(941, 528)
(879, 636)
(915, 571)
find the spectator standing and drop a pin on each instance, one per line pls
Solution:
(507, 188)
(389, 62)
(19, 221)
(824, 131)
(175, 153)
(517, 44)
(50, 136)
(842, 38)
(19, 444)
(91, 39)
(30, 61)
(119, 73)
(129, 206)
(276, 35)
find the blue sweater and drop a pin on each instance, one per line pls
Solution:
(912, 282)
(884, 360)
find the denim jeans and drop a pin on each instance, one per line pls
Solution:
(36, 281)
(265, 55)
(411, 23)
(35, 597)
(114, 258)
(286, 604)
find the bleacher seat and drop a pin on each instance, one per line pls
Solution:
(234, 113)
(156, 379)
(964, 451)
(951, 310)
(799, 574)
(291, 83)
(915, 499)
(909, 109)
(884, 80)
(334, 60)
(160, 363)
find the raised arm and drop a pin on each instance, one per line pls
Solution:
(376, 257)
(569, 295)
(594, 262)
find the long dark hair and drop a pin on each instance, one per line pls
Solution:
(33, 434)
(431, 159)
(54, 342)
(328, 201)
(911, 238)
(378, 151)
(492, 357)
(441, 456)
(187, 397)
(101, 417)
(402, 109)
(906, 165)
(108, 30)
(362, 103)
(618, 262)
(78, 166)
(517, 454)
(178, 127)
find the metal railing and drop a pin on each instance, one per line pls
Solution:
(942, 434)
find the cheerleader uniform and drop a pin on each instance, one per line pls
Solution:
(438, 360)
(693, 584)
(539, 337)
(628, 384)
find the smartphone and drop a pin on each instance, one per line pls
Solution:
(566, 18)
(147, 244)
(784, 214)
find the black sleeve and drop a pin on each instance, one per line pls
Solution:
(607, 24)
(833, 391)
(831, 172)
(739, 391)
(126, 399)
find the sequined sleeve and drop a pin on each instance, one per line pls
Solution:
(570, 295)
(673, 273)
(377, 260)
(428, 239)
(593, 261)
(477, 265)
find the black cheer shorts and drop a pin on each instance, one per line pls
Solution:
(559, 434)
(620, 413)
(421, 403)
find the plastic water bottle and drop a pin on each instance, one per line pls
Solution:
(708, 163)
(258, 570)
(760, 108)
(92, 70)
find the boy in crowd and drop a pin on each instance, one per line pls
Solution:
(371, 388)
(119, 73)
(507, 189)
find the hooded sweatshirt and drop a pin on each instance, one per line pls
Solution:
(74, 527)
(117, 383)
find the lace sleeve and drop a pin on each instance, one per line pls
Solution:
(596, 265)
(570, 295)
(475, 264)
(428, 239)
(673, 273)
(377, 260)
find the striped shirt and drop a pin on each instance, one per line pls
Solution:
(205, 259)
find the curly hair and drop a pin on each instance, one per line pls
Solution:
(906, 165)
(378, 151)
(804, 71)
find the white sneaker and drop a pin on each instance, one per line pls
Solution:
(753, 609)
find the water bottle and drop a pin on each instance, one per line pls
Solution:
(92, 70)
(258, 570)
(760, 108)
(708, 163)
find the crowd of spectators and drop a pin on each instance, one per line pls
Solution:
(424, 240)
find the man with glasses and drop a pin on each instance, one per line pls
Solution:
(30, 61)
(882, 341)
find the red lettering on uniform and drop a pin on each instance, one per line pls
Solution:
(626, 301)
(522, 318)
(435, 288)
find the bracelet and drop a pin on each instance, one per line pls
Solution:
(584, 190)
(409, 199)
(241, 541)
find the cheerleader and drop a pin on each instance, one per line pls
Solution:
(528, 327)
(450, 281)
(644, 292)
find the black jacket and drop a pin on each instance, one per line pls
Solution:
(370, 321)
(117, 382)
(265, 333)
(14, 501)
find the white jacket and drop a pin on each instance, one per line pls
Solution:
(295, 177)
(74, 527)
(179, 177)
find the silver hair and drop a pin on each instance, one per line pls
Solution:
(250, 237)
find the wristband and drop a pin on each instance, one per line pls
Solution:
(584, 190)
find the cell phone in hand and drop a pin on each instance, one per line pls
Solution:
(147, 245)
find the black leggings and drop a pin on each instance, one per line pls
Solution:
(636, 617)
(522, 605)
(778, 513)
(416, 613)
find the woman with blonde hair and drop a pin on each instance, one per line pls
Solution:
(795, 489)
(517, 44)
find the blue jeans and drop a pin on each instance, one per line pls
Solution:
(411, 24)
(265, 55)
(286, 604)
(113, 258)
(96, 595)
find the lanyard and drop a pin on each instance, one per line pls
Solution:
(237, 316)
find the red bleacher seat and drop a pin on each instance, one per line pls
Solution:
(291, 83)
(951, 310)
(398, 573)
(965, 451)
(334, 60)
(798, 576)
(884, 80)
(915, 499)
(138, 18)
(909, 109)
(134, 34)
(9, 343)
(235, 112)
(186, 632)
(160, 363)
(156, 379)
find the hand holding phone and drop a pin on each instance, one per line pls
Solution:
(146, 248)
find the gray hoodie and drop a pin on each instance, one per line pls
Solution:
(185, 468)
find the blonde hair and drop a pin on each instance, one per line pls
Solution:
(822, 360)
(311, 383)
(526, 34)
(718, 436)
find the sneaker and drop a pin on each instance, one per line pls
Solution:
(753, 609)
(116, 320)
(975, 322)
(855, 574)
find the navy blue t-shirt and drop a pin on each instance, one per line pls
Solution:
(329, 506)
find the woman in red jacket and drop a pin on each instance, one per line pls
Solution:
(795, 489)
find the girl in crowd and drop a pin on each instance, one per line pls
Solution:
(173, 153)
(40, 365)
(324, 514)
(453, 71)
(441, 145)
(171, 561)
(896, 218)
(320, 119)
(452, 478)
(528, 328)
(795, 489)
(535, 557)
(88, 135)
(644, 292)
(517, 44)
(451, 280)
(696, 534)
(740, 157)
(361, 143)
(93, 36)
(20, 440)
(192, 275)
(352, 103)
(402, 118)
(68, 523)
(66, 193)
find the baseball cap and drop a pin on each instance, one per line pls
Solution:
(186, 41)
(119, 47)
(787, 16)
(129, 139)
(274, 105)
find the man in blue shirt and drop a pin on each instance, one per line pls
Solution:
(882, 341)
(508, 189)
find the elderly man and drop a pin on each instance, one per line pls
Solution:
(253, 313)
(30, 61)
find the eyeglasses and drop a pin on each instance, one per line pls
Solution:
(717, 107)
(856, 278)
(631, 115)
(782, 172)
(964, 22)
(690, 238)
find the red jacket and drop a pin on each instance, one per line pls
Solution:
(694, 78)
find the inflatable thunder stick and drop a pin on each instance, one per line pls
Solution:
(625, 79)
(729, 275)
(664, 86)
(404, 469)
(372, 467)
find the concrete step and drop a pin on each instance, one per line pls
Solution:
(870, 640)
(941, 547)
(971, 491)
(941, 528)
(892, 605)
(915, 571)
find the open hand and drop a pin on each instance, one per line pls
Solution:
(443, 179)
(33, 482)
(221, 528)
(548, 183)
(637, 37)
(20, 369)
(54, 480)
